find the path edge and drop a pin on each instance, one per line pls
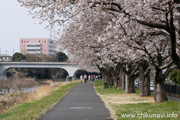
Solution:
(57, 101)
(107, 105)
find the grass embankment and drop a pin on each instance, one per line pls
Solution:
(125, 106)
(33, 110)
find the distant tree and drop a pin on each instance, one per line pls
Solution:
(175, 76)
(48, 57)
(61, 56)
(33, 58)
(18, 57)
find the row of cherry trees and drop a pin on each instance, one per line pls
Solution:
(118, 37)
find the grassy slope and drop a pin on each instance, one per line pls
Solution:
(149, 108)
(33, 110)
(100, 88)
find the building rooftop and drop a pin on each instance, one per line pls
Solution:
(4, 55)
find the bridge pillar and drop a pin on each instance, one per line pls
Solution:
(3, 76)
(70, 78)
(73, 78)
(3, 72)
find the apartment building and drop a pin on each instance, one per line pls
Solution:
(37, 46)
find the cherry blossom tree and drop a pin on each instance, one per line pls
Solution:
(113, 35)
(156, 48)
(158, 57)
(159, 16)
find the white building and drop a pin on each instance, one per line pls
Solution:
(4, 57)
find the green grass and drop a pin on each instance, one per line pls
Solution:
(138, 91)
(99, 85)
(33, 110)
(163, 109)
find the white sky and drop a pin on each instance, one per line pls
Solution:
(16, 23)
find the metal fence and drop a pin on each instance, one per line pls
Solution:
(175, 89)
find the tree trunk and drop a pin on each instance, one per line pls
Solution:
(110, 80)
(115, 81)
(145, 82)
(122, 81)
(119, 82)
(173, 50)
(145, 86)
(105, 81)
(159, 91)
(131, 88)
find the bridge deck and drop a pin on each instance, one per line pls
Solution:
(4, 66)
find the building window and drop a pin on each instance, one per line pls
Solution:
(22, 41)
(33, 45)
(44, 41)
(39, 41)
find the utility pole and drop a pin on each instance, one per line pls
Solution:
(53, 34)
(13, 51)
(57, 56)
(126, 80)
(36, 55)
(52, 31)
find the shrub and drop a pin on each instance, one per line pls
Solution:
(175, 76)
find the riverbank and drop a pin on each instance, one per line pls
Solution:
(132, 106)
(39, 103)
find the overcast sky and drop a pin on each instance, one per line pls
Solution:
(16, 23)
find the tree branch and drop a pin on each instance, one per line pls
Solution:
(153, 25)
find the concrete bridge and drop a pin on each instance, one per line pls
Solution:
(5, 66)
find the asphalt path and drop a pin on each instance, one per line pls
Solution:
(81, 103)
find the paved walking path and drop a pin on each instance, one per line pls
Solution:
(81, 103)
